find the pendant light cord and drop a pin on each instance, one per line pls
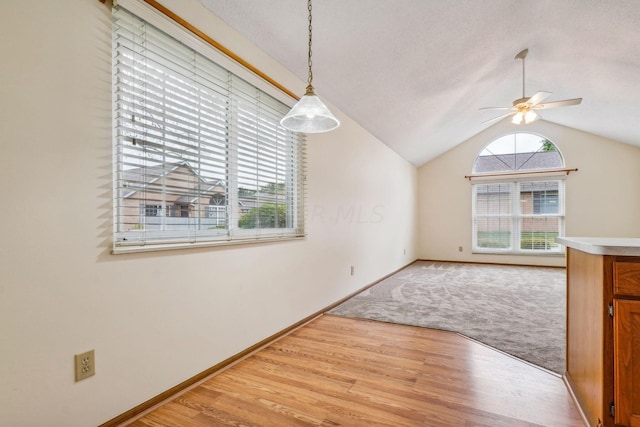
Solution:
(309, 62)
(309, 114)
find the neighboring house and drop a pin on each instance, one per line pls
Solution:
(177, 196)
(172, 197)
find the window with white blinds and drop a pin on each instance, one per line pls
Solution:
(518, 217)
(199, 155)
(513, 213)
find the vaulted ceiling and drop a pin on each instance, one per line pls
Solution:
(414, 73)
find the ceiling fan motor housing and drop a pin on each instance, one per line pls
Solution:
(520, 102)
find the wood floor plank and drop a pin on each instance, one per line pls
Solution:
(331, 401)
(337, 371)
(170, 415)
(355, 360)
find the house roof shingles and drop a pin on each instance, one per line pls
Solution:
(518, 162)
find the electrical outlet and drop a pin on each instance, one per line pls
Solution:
(352, 270)
(459, 248)
(85, 365)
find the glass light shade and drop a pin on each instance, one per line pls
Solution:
(517, 118)
(530, 116)
(310, 115)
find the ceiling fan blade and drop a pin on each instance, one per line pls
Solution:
(537, 98)
(495, 108)
(499, 117)
(562, 103)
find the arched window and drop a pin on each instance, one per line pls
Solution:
(518, 205)
(518, 152)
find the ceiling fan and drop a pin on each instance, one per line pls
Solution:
(524, 109)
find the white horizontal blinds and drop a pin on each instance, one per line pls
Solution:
(541, 214)
(171, 126)
(266, 163)
(188, 133)
(493, 216)
(520, 216)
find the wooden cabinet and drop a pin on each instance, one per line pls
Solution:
(603, 337)
(626, 350)
(626, 278)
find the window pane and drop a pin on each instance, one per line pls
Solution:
(539, 233)
(541, 220)
(494, 232)
(493, 215)
(493, 199)
(518, 152)
(539, 197)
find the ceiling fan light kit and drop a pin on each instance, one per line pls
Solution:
(525, 116)
(310, 115)
(524, 109)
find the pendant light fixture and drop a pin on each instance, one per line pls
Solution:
(309, 115)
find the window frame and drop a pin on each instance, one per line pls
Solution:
(515, 180)
(295, 174)
(515, 217)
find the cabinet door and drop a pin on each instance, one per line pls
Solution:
(627, 362)
(626, 278)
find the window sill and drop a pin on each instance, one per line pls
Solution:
(121, 249)
(536, 254)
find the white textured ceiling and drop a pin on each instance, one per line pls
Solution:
(415, 72)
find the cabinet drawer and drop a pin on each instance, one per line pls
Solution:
(626, 278)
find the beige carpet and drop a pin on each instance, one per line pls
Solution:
(519, 310)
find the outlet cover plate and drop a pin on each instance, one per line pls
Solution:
(85, 364)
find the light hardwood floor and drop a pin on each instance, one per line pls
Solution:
(337, 371)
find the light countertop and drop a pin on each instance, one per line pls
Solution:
(603, 245)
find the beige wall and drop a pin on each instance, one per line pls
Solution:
(154, 319)
(602, 197)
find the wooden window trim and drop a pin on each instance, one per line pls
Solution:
(202, 35)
